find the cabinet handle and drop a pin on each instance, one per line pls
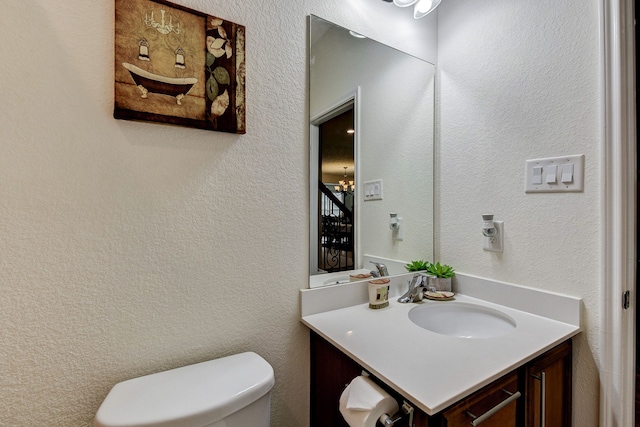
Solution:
(482, 418)
(543, 395)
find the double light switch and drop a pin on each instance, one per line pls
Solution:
(555, 174)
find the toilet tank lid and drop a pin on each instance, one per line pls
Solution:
(191, 396)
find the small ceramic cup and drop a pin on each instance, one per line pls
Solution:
(379, 293)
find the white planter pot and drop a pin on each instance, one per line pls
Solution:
(441, 284)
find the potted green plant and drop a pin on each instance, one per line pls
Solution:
(443, 274)
(420, 265)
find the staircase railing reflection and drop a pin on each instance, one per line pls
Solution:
(336, 233)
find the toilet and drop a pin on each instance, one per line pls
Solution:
(233, 391)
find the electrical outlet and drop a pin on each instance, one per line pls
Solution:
(494, 244)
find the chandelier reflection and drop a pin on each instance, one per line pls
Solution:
(344, 185)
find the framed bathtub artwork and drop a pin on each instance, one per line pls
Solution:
(178, 66)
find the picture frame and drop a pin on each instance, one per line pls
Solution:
(174, 65)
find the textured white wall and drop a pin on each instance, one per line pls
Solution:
(128, 248)
(520, 80)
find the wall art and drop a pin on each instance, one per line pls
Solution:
(178, 66)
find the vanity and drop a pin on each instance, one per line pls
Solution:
(520, 377)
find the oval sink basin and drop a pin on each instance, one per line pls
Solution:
(462, 320)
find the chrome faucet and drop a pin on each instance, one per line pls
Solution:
(382, 269)
(419, 282)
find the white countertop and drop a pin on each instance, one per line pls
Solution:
(432, 370)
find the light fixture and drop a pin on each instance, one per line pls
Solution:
(344, 185)
(351, 131)
(424, 7)
(357, 35)
(404, 3)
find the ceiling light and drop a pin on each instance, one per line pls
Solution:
(421, 9)
(404, 3)
(424, 7)
(357, 35)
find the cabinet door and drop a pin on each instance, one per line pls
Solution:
(548, 381)
(493, 406)
(331, 371)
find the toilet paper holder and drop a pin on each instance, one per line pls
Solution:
(404, 410)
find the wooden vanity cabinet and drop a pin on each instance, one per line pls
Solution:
(548, 388)
(501, 392)
(332, 370)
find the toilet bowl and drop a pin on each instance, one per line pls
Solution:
(233, 391)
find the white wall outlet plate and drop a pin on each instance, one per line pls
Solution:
(555, 174)
(494, 244)
(399, 233)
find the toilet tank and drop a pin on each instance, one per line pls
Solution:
(230, 391)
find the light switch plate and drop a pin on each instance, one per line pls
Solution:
(575, 185)
(373, 190)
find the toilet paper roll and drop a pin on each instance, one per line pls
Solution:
(363, 402)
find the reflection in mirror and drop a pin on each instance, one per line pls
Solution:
(371, 155)
(336, 190)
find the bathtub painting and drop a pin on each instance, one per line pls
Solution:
(149, 82)
(174, 65)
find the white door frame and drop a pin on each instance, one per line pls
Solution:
(617, 329)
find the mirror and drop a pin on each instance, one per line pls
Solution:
(387, 97)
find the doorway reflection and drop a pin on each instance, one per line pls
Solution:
(336, 194)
